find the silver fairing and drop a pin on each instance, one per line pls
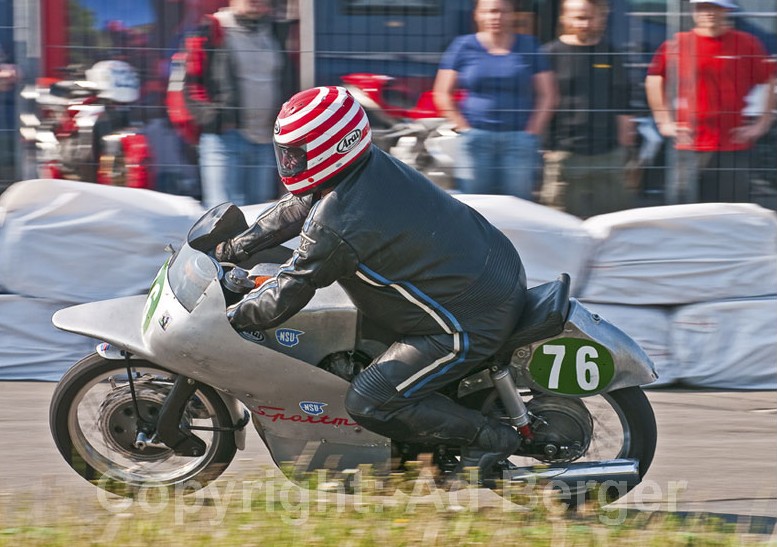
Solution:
(298, 408)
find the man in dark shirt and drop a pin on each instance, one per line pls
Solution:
(586, 152)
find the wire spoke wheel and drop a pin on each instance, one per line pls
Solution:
(108, 436)
(609, 426)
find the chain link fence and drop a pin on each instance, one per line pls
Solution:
(44, 41)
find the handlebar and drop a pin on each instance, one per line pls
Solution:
(239, 281)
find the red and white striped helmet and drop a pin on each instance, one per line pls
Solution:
(319, 133)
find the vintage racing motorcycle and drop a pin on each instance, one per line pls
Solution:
(167, 398)
(82, 128)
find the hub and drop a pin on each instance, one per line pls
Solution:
(120, 425)
(562, 429)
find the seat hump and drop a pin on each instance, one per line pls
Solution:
(543, 316)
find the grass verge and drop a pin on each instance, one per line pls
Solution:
(268, 510)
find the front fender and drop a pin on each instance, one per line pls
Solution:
(117, 321)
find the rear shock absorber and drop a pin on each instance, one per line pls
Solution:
(512, 401)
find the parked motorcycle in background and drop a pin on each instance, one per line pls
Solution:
(81, 129)
(407, 124)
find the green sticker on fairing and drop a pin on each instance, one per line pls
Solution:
(154, 294)
(572, 366)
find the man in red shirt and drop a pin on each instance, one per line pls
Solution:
(696, 87)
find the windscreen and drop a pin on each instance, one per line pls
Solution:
(218, 224)
(190, 274)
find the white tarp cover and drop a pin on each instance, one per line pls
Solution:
(682, 254)
(63, 242)
(649, 326)
(31, 348)
(76, 242)
(550, 242)
(730, 344)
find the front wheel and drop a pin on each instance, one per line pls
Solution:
(94, 421)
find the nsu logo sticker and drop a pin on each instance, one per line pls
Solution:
(288, 337)
(349, 141)
(312, 408)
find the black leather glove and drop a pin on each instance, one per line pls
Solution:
(227, 251)
(280, 223)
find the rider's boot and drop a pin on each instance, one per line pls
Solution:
(494, 443)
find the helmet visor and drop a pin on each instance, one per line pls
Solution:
(291, 160)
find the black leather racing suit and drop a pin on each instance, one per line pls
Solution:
(413, 259)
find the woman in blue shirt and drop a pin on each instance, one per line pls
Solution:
(510, 93)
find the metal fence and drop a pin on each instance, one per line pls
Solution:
(48, 40)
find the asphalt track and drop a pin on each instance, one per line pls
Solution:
(717, 453)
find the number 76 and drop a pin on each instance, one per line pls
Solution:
(587, 371)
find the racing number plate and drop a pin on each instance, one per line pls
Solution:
(572, 366)
(154, 294)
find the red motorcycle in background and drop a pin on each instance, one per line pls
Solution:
(81, 129)
(406, 123)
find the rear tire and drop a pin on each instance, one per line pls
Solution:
(93, 422)
(641, 423)
(615, 425)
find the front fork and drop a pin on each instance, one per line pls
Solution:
(170, 427)
(516, 410)
(167, 426)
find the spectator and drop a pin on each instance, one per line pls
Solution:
(709, 71)
(509, 98)
(591, 131)
(7, 74)
(8, 81)
(234, 87)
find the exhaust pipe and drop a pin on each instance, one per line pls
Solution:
(622, 474)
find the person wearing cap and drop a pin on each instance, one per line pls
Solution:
(425, 268)
(696, 88)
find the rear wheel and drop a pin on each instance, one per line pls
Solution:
(613, 425)
(609, 426)
(94, 422)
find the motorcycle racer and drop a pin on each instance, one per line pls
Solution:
(411, 257)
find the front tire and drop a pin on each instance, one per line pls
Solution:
(93, 421)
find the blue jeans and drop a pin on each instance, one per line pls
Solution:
(703, 177)
(497, 162)
(232, 168)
